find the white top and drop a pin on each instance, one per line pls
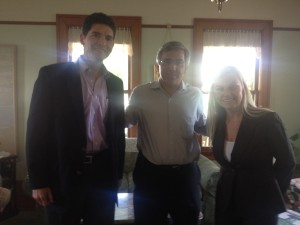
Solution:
(228, 149)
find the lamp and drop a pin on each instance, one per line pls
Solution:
(219, 3)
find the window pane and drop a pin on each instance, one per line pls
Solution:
(117, 62)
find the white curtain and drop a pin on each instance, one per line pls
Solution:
(74, 34)
(242, 38)
(123, 36)
(73, 38)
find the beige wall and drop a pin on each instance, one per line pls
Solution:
(285, 79)
(36, 44)
(35, 47)
(283, 12)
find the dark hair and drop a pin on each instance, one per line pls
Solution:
(173, 45)
(97, 18)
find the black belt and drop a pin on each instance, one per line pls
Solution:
(175, 166)
(88, 159)
(91, 158)
(165, 166)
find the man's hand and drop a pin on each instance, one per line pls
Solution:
(43, 196)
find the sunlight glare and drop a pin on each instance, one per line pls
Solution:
(214, 58)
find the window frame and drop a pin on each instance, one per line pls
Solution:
(64, 21)
(264, 77)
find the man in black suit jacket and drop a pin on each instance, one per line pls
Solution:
(75, 133)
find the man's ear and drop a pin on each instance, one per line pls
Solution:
(82, 37)
(156, 71)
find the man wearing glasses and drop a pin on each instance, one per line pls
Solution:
(168, 113)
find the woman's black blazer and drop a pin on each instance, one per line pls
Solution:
(261, 167)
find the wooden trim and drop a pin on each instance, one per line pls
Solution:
(27, 23)
(143, 25)
(285, 29)
(207, 152)
(167, 26)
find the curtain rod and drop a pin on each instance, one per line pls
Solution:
(143, 25)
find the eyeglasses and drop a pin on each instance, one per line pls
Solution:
(167, 62)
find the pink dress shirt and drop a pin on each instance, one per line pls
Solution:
(95, 102)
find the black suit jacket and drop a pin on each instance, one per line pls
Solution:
(56, 130)
(252, 183)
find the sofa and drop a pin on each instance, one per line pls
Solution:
(210, 172)
(209, 177)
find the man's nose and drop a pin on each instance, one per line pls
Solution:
(101, 40)
(173, 66)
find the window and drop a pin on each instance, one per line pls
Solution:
(65, 22)
(254, 57)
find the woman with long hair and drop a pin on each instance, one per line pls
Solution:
(253, 150)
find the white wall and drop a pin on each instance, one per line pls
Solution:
(285, 80)
(282, 12)
(35, 47)
(36, 44)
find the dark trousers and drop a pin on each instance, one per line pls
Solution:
(231, 218)
(166, 190)
(90, 201)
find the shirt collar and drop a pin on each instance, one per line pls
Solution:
(84, 67)
(155, 85)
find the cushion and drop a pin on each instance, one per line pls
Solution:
(207, 168)
(130, 158)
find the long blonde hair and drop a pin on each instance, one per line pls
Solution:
(216, 112)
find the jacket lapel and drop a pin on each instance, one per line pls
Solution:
(242, 142)
(75, 91)
(243, 139)
(219, 144)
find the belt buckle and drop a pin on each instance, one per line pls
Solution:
(88, 159)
